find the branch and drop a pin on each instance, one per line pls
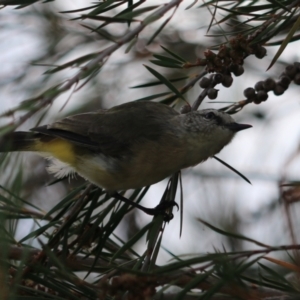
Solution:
(74, 262)
(94, 63)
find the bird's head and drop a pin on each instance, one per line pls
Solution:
(212, 128)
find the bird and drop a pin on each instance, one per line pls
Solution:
(128, 146)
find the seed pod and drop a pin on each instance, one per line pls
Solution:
(259, 86)
(212, 93)
(269, 84)
(249, 93)
(256, 101)
(279, 90)
(297, 66)
(284, 81)
(204, 82)
(233, 68)
(218, 61)
(227, 80)
(223, 51)
(226, 61)
(240, 70)
(297, 79)
(260, 52)
(290, 71)
(217, 78)
(262, 95)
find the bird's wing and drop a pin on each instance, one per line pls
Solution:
(74, 129)
(112, 131)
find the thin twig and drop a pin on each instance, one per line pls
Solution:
(91, 65)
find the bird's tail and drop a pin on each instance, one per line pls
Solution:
(19, 141)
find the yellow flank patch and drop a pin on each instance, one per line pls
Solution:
(58, 148)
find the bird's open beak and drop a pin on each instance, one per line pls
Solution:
(237, 127)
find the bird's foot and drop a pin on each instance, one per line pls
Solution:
(161, 208)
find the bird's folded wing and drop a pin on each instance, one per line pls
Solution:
(113, 131)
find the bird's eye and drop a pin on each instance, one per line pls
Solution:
(209, 116)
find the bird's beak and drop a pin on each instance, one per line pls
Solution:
(237, 127)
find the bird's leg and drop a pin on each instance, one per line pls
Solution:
(159, 209)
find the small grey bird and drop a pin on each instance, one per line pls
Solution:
(130, 145)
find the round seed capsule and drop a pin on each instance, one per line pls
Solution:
(262, 95)
(297, 66)
(233, 68)
(290, 71)
(217, 78)
(204, 82)
(297, 79)
(227, 81)
(269, 84)
(240, 70)
(279, 90)
(212, 93)
(256, 101)
(261, 52)
(259, 86)
(249, 93)
(285, 81)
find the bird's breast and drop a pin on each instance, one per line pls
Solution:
(148, 162)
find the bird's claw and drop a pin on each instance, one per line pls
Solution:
(163, 206)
